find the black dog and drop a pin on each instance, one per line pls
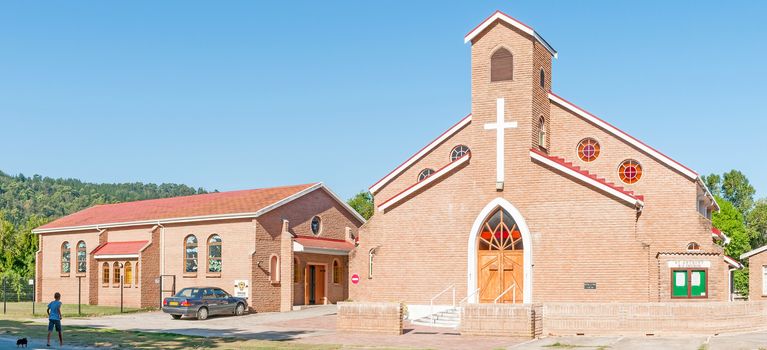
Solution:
(21, 342)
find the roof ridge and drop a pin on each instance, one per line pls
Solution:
(206, 194)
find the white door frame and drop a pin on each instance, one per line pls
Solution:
(527, 241)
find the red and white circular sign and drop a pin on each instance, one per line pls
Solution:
(355, 278)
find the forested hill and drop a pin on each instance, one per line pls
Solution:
(28, 202)
(22, 197)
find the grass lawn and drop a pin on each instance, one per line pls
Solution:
(110, 338)
(24, 310)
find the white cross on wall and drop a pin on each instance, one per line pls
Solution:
(499, 126)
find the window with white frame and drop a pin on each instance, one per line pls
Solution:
(764, 280)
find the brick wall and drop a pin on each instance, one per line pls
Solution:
(653, 318)
(756, 264)
(500, 320)
(50, 277)
(385, 318)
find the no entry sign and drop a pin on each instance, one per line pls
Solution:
(355, 278)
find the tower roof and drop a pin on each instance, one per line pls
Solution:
(500, 16)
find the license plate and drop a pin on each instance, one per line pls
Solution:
(173, 303)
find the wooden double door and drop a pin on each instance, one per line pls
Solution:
(498, 270)
(314, 284)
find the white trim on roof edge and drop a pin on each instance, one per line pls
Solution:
(732, 262)
(447, 134)
(753, 252)
(498, 15)
(618, 194)
(625, 137)
(207, 217)
(440, 173)
(298, 247)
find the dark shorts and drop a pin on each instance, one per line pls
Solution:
(56, 323)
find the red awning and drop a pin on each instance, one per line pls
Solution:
(321, 245)
(119, 249)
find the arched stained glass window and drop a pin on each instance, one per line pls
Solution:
(66, 254)
(105, 274)
(190, 254)
(458, 152)
(501, 65)
(630, 171)
(128, 274)
(214, 254)
(588, 149)
(425, 173)
(116, 274)
(542, 132)
(336, 272)
(81, 256)
(500, 232)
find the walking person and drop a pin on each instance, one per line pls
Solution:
(54, 318)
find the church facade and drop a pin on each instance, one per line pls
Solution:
(279, 247)
(530, 198)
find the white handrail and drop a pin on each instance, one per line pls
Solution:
(514, 296)
(431, 302)
(469, 296)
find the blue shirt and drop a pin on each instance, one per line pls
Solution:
(55, 307)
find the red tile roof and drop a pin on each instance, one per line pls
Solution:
(221, 203)
(576, 168)
(324, 243)
(120, 248)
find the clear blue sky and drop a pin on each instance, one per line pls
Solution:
(241, 94)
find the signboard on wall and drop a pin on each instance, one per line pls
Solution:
(241, 289)
(686, 264)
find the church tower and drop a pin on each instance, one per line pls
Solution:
(510, 74)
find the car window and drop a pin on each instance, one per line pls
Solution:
(188, 293)
(208, 293)
(221, 294)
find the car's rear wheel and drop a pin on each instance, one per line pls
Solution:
(239, 310)
(176, 317)
(202, 313)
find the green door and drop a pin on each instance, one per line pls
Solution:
(698, 283)
(679, 284)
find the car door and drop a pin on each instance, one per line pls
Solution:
(224, 302)
(210, 301)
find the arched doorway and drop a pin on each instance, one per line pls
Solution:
(500, 255)
(500, 259)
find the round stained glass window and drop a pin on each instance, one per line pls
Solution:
(588, 149)
(424, 174)
(458, 152)
(316, 225)
(630, 171)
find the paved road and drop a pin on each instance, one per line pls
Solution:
(317, 326)
(744, 341)
(10, 343)
(263, 326)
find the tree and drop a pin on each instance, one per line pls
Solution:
(737, 189)
(363, 203)
(757, 222)
(730, 221)
(714, 184)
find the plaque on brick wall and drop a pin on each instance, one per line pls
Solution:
(589, 285)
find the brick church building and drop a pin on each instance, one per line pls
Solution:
(530, 198)
(279, 247)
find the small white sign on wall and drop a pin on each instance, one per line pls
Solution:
(241, 289)
(689, 263)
